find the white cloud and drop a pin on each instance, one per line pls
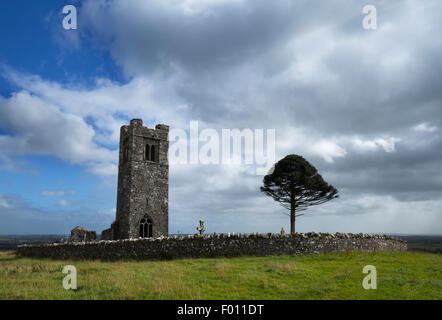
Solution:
(302, 141)
(63, 203)
(103, 169)
(4, 204)
(329, 150)
(375, 214)
(38, 126)
(387, 144)
(424, 127)
(365, 145)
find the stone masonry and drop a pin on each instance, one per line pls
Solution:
(143, 183)
(216, 245)
(79, 234)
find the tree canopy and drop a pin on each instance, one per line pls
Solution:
(296, 185)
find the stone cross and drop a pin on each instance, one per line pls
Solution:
(201, 228)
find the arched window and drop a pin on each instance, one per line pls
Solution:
(125, 153)
(147, 152)
(146, 227)
(152, 153)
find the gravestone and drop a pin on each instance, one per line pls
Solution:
(201, 228)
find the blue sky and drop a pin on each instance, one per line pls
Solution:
(29, 44)
(362, 106)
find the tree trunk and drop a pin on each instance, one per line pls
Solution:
(292, 215)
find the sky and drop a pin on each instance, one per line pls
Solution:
(364, 106)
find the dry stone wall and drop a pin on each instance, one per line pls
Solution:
(216, 245)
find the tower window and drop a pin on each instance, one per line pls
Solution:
(146, 227)
(151, 148)
(125, 153)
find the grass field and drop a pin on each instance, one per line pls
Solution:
(406, 275)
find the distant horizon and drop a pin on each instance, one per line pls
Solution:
(173, 234)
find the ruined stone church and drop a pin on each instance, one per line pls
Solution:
(143, 183)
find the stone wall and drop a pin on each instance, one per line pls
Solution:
(111, 233)
(79, 234)
(106, 234)
(216, 245)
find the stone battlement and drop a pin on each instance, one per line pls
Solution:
(215, 245)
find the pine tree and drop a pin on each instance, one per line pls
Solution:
(296, 185)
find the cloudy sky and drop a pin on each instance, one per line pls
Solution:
(363, 106)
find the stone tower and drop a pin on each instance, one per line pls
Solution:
(143, 183)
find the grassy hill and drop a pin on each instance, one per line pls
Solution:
(406, 275)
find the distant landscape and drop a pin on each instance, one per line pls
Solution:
(425, 243)
(429, 243)
(10, 242)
